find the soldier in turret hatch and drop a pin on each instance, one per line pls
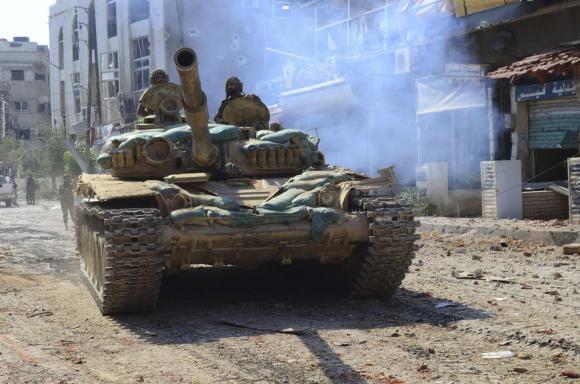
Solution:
(234, 89)
(161, 100)
(158, 76)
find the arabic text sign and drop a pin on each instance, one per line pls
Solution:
(547, 91)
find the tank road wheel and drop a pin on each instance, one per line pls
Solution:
(379, 266)
(119, 257)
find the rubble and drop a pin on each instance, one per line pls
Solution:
(570, 374)
(571, 249)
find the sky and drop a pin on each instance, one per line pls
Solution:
(25, 18)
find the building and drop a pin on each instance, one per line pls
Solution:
(132, 37)
(69, 78)
(24, 89)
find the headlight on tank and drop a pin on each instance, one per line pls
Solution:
(328, 198)
(157, 150)
(180, 201)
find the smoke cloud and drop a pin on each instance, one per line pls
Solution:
(365, 111)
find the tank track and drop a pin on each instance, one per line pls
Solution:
(119, 259)
(379, 266)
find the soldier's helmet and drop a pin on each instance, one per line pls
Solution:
(158, 74)
(235, 82)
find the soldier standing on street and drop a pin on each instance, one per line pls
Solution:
(30, 190)
(65, 194)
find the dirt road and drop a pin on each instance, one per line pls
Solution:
(464, 296)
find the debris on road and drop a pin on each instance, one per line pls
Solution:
(497, 355)
(292, 331)
(571, 249)
(570, 374)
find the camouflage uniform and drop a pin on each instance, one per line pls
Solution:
(237, 90)
(65, 194)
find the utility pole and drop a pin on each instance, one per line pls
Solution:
(3, 107)
(94, 74)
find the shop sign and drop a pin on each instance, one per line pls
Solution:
(468, 70)
(549, 90)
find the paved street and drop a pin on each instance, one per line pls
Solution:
(465, 296)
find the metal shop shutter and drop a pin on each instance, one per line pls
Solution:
(554, 123)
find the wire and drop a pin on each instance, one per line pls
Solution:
(540, 174)
(179, 21)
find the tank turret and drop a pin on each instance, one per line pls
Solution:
(194, 104)
(166, 143)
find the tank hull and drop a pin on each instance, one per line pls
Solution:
(132, 233)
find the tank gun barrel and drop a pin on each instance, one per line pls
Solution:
(195, 105)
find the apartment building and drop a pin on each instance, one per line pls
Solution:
(131, 38)
(69, 78)
(24, 88)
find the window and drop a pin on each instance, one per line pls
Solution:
(62, 98)
(75, 45)
(40, 77)
(138, 10)
(140, 63)
(77, 97)
(43, 107)
(111, 18)
(110, 75)
(21, 106)
(17, 75)
(76, 77)
(60, 49)
(110, 88)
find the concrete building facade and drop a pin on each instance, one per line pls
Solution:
(24, 88)
(69, 73)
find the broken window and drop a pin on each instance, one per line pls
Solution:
(77, 98)
(60, 49)
(140, 63)
(111, 18)
(75, 45)
(17, 75)
(76, 78)
(110, 74)
(138, 10)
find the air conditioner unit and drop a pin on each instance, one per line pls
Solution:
(402, 61)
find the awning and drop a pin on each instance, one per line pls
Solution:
(561, 62)
(553, 140)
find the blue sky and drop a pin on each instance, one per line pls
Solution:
(25, 18)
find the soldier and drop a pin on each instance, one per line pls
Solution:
(234, 89)
(162, 99)
(15, 190)
(158, 76)
(65, 194)
(30, 190)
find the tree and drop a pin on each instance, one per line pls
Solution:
(70, 165)
(53, 159)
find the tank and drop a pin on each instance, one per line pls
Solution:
(183, 192)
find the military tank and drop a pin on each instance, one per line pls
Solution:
(181, 192)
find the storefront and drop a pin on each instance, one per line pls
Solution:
(553, 127)
(545, 112)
